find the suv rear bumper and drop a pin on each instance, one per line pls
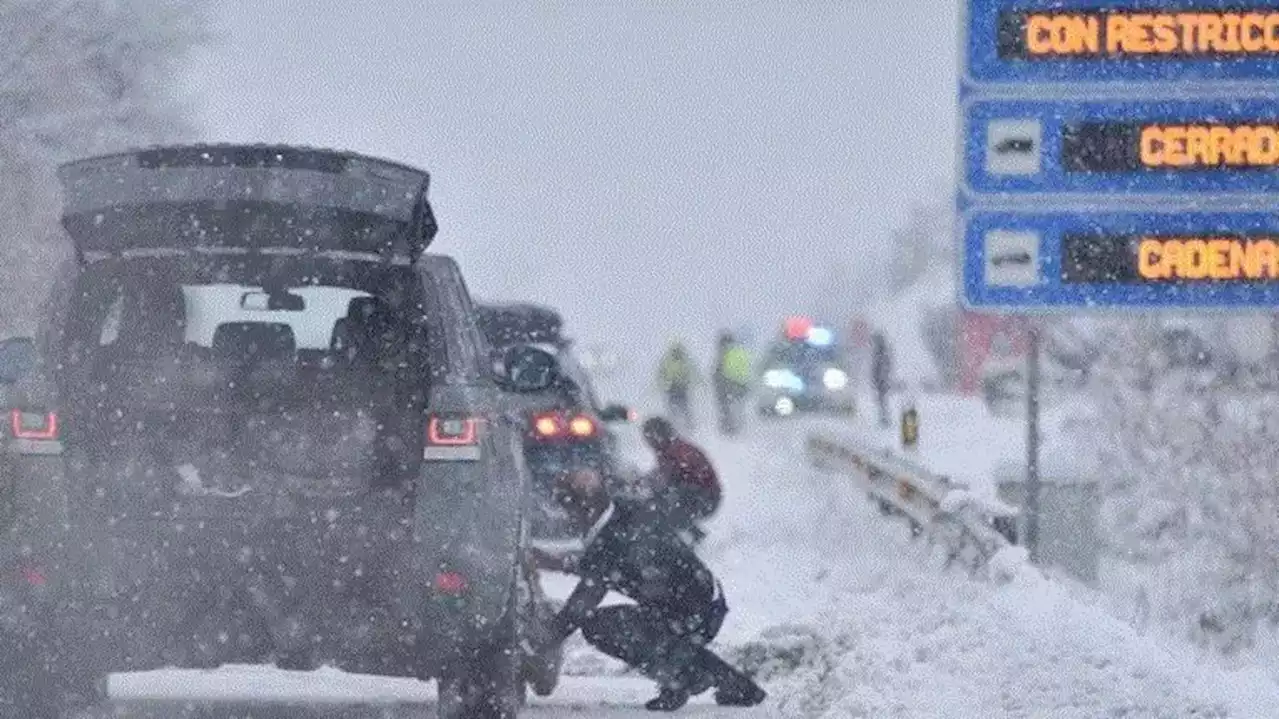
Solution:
(363, 578)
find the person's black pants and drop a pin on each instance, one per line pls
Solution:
(670, 650)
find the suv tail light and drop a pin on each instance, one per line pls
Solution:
(452, 431)
(25, 424)
(32, 431)
(452, 438)
(555, 426)
(450, 583)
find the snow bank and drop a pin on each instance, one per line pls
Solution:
(843, 616)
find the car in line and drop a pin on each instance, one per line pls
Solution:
(805, 371)
(566, 424)
(266, 430)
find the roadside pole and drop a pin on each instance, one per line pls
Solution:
(909, 425)
(1031, 503)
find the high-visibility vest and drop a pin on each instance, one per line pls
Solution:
(674, 371)
(735, 365)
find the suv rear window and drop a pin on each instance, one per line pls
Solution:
(312, 313)
(209, 306)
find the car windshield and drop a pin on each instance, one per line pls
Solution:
(803, 357)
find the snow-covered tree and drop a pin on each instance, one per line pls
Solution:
(925, 242)
(77, 77)
(1188, 433)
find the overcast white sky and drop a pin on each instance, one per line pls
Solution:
(650, 167)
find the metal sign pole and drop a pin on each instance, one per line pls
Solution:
(1031, 505)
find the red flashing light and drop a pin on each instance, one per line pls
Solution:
(452, 431)
(797, 328)
(33, 425)
(451, 583)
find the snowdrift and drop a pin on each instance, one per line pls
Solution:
(842, 615)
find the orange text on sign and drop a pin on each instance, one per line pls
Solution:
(1123, 33)
(1199, 258)
(1243, 145)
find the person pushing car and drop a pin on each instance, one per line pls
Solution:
(679, 604)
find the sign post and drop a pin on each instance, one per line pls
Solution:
(1032, 496)
(1116, 155)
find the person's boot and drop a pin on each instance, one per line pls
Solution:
(542, 671)
(675, 696)
(740, 692)
(668, 700)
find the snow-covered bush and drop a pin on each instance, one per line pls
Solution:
(76, 78)
(1188, 437)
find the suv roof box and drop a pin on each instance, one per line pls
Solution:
(520, 323)
(246, 197)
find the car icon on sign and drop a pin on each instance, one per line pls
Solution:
(1019, 145)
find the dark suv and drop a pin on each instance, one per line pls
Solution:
(566, 426)
(265, 429)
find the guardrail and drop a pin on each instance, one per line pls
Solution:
(940, 508)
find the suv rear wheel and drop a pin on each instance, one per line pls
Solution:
(35, 684)
(488, 683)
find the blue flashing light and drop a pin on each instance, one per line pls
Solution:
(820, 337)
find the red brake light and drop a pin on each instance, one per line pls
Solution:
(548, 425)
(555, 425)
(452, 431)
(451, 583)
(32, 576)
(582, 426)
(33, 425)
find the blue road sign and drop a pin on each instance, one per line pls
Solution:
(1031, 259)
(1026, 42)
(1119, 147)
(1119, 153)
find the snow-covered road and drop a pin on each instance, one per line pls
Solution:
(257, 693)
(841, 615)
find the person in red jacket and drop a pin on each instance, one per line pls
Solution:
(685, 486)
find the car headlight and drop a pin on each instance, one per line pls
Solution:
(834, 379)
(784, 406)
(783, 379)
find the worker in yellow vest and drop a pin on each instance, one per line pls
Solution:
(732, 382)
(676, 378)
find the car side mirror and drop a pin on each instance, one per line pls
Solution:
(529, 369)
(17, 357)
(615, 413)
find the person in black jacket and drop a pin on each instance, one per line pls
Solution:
(679, 607)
